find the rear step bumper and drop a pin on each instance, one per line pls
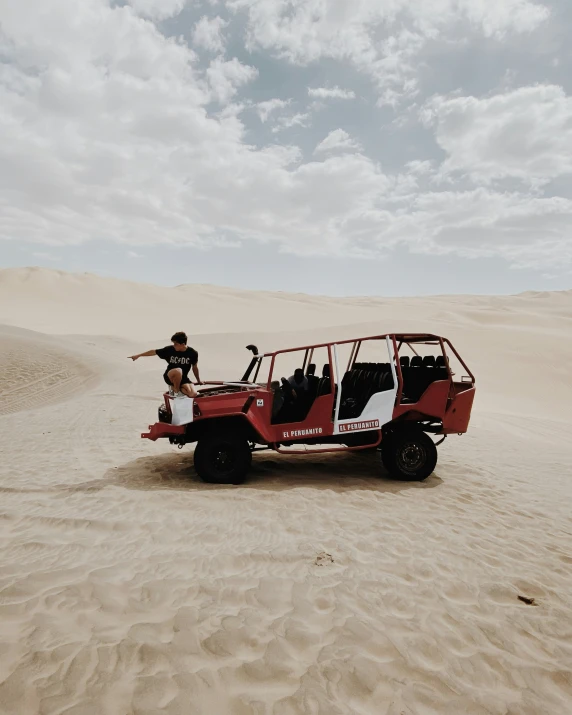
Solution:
(162, 429)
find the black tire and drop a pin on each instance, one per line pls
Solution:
(222, 459)
(408, 454)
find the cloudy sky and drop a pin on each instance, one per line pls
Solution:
(331, 146)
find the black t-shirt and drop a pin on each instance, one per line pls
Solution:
(184, 359)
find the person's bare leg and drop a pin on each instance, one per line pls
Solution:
(175, 376)
(189, 390)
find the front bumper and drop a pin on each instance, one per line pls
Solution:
(161, 429)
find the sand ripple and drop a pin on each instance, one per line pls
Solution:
(318, 588)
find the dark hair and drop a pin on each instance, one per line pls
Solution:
(180, 338)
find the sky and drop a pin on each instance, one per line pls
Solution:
(343, 147)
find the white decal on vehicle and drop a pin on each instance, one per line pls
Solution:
(353, 426)
(302, 432)
(260, 403)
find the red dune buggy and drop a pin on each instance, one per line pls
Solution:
(389, 393)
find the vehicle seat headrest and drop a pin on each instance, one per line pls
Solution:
(311, 369)
(326, 370)
(440, 361)
(404, 360)
(416, 361)
(429, 361)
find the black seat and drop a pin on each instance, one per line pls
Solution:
(441, 367)
(413, 385)
(404, 364)
(313, 382)
(360, 383)
(430, 370)
(388, 382)
(376, 384)
(325, 383)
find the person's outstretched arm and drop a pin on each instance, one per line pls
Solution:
(196, 373)
(149, 353)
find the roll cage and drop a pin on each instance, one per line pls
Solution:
(394, 341)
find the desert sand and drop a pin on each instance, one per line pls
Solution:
(320, 587)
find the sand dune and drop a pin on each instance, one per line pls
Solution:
(57, 302)
(319, 587)
(38, 370)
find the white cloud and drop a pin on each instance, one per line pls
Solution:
(418, 167)
(226, 77)
(496, 18)
(300, 119)
(105, 133)
(526, 230)
(381, 39)
(331, 93)
(157, 9)
(525, 133)
(337, 140)
(207, 33)
(266, 108)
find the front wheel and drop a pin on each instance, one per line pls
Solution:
(222, 459)
(409, 455)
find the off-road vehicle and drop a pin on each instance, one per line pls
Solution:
(396, 403)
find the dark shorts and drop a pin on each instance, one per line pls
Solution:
(184, 380)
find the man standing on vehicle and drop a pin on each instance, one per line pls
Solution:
(180, 359)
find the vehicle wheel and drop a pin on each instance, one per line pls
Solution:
(409, 455)
(222, 459)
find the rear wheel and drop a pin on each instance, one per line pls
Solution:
(222, 459)
(409, 454)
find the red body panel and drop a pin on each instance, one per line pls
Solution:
(433, 402)
(458, 414)
(259, 417)
(318, 423)
(223, 405)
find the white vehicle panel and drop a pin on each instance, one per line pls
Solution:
(378, 410)
(182, 410)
